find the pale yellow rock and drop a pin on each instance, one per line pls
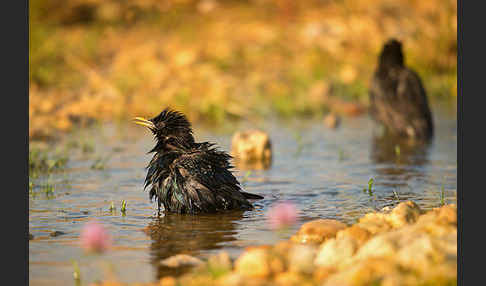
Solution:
(448, 214)
(363, 273)
(334, 252)
(288, 279)
(231, 279)
(221, 261)
(277, 264)
(405, 213)
(168, 281)
(322, 273)
(251, 145)
(181, 260)
(317, 231)
(283, 247)
(254, 263)
(374, 223)
(301, 259)
(424, 253)
(383, 245)
(359, 234)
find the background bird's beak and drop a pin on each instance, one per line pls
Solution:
(144, 122)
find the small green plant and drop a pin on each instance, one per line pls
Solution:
(112, 207)
(396, 195)
(41, 162)
(342, 155)
(124, 207)
(48, 188)
(370, 187)
(245, 178)
(442, 196)
(76, 272)
(397, 150)
(99, 163)
(87, 147)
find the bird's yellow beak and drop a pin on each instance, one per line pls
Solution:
(144, 122)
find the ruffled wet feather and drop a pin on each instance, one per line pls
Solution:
(189, 177)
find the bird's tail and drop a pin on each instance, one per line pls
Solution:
(251, 196)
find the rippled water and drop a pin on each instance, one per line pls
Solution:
(322, 171)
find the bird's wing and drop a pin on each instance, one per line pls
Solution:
(412, 100)
(206, 183)
(158, 170)
(382, 99)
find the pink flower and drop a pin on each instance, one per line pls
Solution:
(94, 237)
(282, 215)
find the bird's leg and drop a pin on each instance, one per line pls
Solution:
(158, 212)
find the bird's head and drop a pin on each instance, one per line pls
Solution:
(169, 127)
(391, 54)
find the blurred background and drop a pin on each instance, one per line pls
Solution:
(214, 60)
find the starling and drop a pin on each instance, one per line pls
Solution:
(189, 177)
(397, 96)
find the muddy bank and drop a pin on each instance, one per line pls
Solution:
(399, 246)
(109, 60)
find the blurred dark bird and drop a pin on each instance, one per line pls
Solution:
(397, 96)
(189, 177)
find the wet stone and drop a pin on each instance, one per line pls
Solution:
(317, 231)
(251, 145)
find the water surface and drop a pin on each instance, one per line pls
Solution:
(322, 171)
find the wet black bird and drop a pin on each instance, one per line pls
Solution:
(189, 177)
(397, 96)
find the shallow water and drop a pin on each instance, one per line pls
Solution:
(322, 171)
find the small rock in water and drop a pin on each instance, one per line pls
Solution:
(317, 231)
(251, 145)
(181, 260)
(332, 120)
(56, 233)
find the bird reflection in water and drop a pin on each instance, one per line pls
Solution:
(399, 160)
(174, 234)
